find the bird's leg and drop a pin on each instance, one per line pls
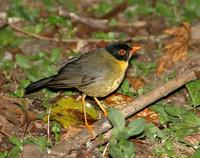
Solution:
(78, 98)
(89, 127)
(102, 108)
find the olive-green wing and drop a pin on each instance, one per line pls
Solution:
(82, 71)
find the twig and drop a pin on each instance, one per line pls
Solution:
(91, 22)
(103, 125)
(101, 24)
(48, 124)
(136, 39)
(105, 149)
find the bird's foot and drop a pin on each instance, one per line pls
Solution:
(105, 113)
(90, 129)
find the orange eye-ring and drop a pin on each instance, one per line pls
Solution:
(121, 52)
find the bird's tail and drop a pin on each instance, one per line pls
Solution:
(36, 86)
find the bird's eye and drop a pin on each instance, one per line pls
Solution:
(121, 52)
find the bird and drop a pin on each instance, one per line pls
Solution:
(96, 74)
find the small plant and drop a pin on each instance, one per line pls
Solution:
(194, 91)
(56, 130)
(19, 143)
(126, 89)
(120, 146)
(179, 122)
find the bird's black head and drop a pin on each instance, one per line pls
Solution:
(120, 51)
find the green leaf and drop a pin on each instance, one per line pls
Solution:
(67, 110)
(41, 142)
(153, 132)
(116, 119)
(122, 149)
(163, 9)
(14, 152)
(175, 111)
(196, 153)
(163, 116)
(54, 19)
(169, 144)
(115, 152)
(56, 130)
(120, 135)
(3, 154)
(22, 61)
(15, 141)
(194, 91)
(180, 133)
(55, 54)
(127, 148)
(191, 119)
(125, 86)
(136, 127)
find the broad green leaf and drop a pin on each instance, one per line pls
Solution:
(116, 119)
(169, 144)
(121, 135)
(175, 111)
(53, 20)
(22, 61)
(163, 9)
(55, 54)
(125, 86)
(115, 152)
(136, 127)
(194, 91)
(163, 116)
(196, 154)
(181, 133)
(127, 148)
(38, 28)
(3, 154)
(68, 112)
(41, 142)
(56, 130)
(153, 132)
(15, 141)
(14, 152)
(191, 119)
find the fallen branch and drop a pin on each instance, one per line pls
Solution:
(76, 143)
(91, 22)
(92, 40)
(101, 24)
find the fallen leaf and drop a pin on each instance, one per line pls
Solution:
(136, 82)
(176, 49)
(193, 139)
(148, 115)
(117, 99)
(68, 111)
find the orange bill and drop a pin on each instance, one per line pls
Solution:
(135, 49)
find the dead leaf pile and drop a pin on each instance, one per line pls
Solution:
(176, 49)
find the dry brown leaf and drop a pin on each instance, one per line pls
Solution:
(193, 139)
(117, 99)
(148, 115)
(176, 48)
(136, 82)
